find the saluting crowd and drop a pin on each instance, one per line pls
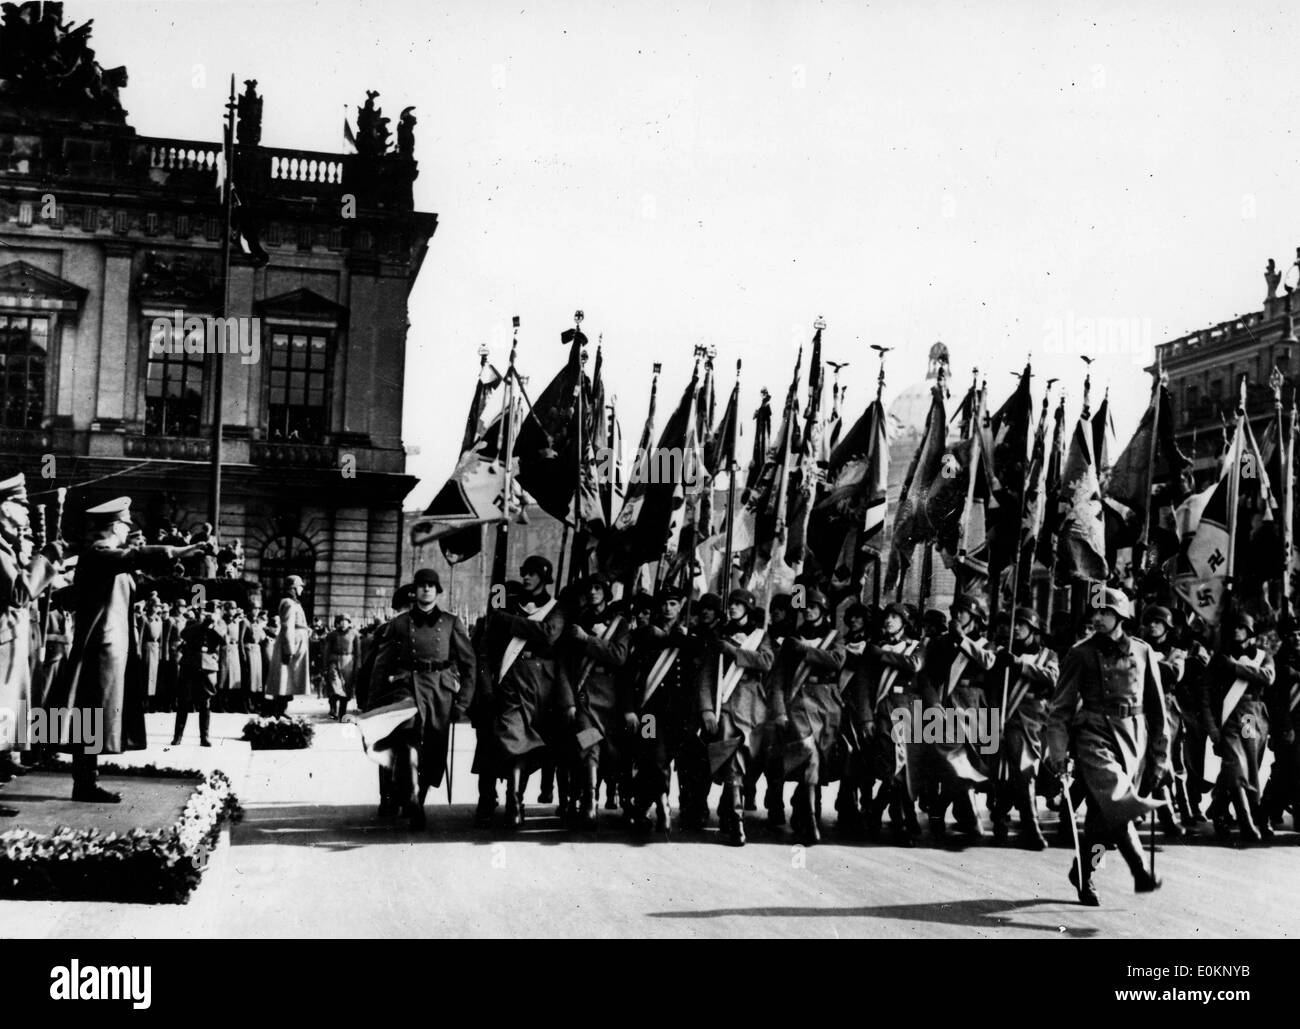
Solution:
(1108, 712)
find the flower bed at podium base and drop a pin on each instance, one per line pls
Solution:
(151, 848)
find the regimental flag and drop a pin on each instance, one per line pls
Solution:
(1036, 502)
(244, 229)
(547, 449)
(1081, 546)
(475, 493)
(1012, 431)
(1049, 533)
(468, 542)
(1147, 482)
(960, 495)
(807, 479)
(595, 461)
(643, 530)
(1103, 436)
(851, 514)
(704, 412)
(720, 466)
(911, 523)
(1204, 565)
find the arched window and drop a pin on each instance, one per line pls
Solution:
(283, 556)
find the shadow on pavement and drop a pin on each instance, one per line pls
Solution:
(980, 914)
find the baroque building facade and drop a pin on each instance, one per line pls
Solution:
(110, 240)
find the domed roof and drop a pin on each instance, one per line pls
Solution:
(908, 411)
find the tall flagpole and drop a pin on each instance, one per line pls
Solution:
(725, 585)
(218, 360)
(1275, 382)
(1234, 495)
(499, 554)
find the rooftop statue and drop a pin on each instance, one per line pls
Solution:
(47, 62)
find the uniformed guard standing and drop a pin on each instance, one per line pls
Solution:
(150, 642)
(230, 677)
(599, 644)
(1033, 672)
(1236, 718)
(804, 701)
(23, 578)
(251, 637)
(95, 675)
(1116, 737)
(291, 670)
(200, 647)
(733, 708)
(340, 657)
(954, 677)
(425, 656)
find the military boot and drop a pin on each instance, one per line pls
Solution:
(1031, 833)
(1128, 846)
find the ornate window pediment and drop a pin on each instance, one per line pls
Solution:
(301, 305)
(26, 286)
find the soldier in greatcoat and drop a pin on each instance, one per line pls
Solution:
(1031, 671)
(599, 644)
(426, 657)
(803, 691)
(1108, 714)
(94, 678)
(733, 705)
(340, 656)
(290, 673)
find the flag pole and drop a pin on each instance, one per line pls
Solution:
(725, 584)
(1275, 381)
(579, 407)
(1234, 496)
(499, 553)
(218, 360)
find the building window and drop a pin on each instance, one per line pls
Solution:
(299, 388)
(173, 397)
(283, 556)
(24, 345)
(1192, 402)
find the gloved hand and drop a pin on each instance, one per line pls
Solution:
(710, 721)
(630, 721)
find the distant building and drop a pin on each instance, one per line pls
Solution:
(108, 234)
(1203, 369)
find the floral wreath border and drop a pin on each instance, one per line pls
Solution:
(156, 866)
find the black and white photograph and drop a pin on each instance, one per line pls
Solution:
(745, 470)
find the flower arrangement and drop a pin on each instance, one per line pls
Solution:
(281, 733)
(160, 866)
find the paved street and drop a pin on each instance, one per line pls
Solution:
(311, 859)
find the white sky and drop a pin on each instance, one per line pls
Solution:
(910, 171)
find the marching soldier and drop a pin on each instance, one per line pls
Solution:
(95, 675)
(857, 771)
(1283, 789)
(954, 677)
(1032, 670)
(1116, 737)
(733, 710)
(403, 601)
(693, 775)
(1157, 623)
(659, 707)
(426, 657)
(1191, 699)
(804, 703)
(1236, 718)
(599, 646)
(532, 693)
(883, 711)
(200, 648)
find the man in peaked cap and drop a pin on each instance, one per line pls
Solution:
(23, 578)
(1108, 713)
(94, 678)
(1283, 789)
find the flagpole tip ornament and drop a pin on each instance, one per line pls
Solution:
(820, 323)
